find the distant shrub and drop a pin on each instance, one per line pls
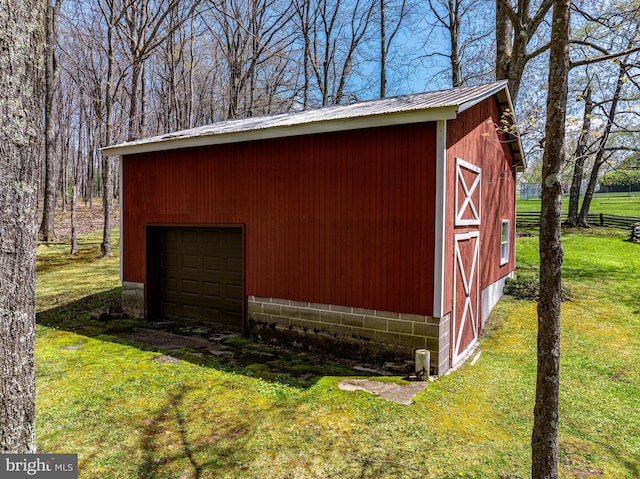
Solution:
(523, 287)
(527, 287)
(620, 178)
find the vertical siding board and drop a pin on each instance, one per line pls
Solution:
(398, 229)
(320, 193)
(410, 237)
(412, 176)
(386, 205)
(342, 213)
(302, 162)
(361, 185)
(379, 217)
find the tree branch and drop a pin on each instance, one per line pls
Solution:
(603, 58)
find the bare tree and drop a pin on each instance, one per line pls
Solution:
(112, 14)
(47, 232)
(171, 89)
(544, 438)
(389, 28)
(460, 21)
(144, 26)
(601, 147)
(304, 25)
(76, 161)
(22, 39)
(516, 28)
(252, 37)
(602, 34)
(336, 31)
(580, 156)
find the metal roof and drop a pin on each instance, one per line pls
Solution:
(420, 107)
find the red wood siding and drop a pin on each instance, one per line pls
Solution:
(473, 138)
(344, 218)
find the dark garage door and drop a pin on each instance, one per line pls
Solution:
(200, 275)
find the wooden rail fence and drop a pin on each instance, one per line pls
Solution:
(594, 219)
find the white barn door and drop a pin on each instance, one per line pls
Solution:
(465, 324)
(466, 279)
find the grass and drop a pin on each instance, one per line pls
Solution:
(624, 204)
(129, 415)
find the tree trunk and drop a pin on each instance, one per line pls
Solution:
(74, 187)
(544, 438)
(303, 12)
(580, 157)
(383, 50)
(602, 144)
(107, 205)
(21, 70)
(107, 162)
(134, 120)
(454, 39)
(503, 40)
(514, 31)
(74, 202)
(47, 232)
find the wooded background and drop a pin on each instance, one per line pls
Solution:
(120, 70)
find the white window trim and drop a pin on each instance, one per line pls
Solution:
(505, 245)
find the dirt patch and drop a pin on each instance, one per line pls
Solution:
(164, 359)
(88, 218)
(583, 472)
(618, 375)
(400, 393)
(164, 339)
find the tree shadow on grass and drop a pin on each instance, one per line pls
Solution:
(173, 445)
(294, 367)
(166, 445)
(86, 254)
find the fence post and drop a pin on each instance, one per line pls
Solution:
(601, 219)
(635, 232)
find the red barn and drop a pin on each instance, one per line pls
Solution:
(389, 221)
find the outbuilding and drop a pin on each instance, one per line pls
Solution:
(388, 222)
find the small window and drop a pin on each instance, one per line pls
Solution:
(504, 243)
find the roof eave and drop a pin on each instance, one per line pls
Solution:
(503, 97)
(169, 142)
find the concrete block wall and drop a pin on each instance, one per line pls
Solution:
(133, 299)
(410, 331)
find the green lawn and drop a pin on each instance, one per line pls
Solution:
(624, 204)
(129, 415)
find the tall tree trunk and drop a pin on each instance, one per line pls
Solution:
(107, 161)
(74, 203)
(47, 232)
(503, 40)
(602, 144)
(580, 157)
(21, 69)
(192, 63)
(383, 50)
(514, 31)
(134, 120)
(75, 165)
(544, 437)
(304, 13)
(454, 39)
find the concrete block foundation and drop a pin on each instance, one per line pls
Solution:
(399, 332)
